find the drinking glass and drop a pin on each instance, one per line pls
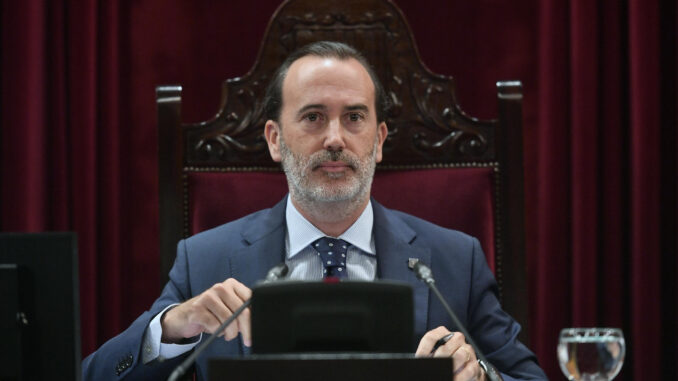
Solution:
(591, 354)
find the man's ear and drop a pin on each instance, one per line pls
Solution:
(382, 133)
(272, 134)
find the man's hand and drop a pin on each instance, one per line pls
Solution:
(206, 312)
(465, 363)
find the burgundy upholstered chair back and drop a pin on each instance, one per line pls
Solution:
(439, 163)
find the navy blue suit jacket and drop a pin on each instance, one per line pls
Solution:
(246, 248)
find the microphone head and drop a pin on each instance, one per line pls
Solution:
(284, 271)
(276, 272)
(423, 272)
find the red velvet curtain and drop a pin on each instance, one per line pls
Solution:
(605, 207)
(61, 136)
(79, 142)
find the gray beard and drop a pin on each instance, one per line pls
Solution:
(328, 202)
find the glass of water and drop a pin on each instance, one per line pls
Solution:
(591, 354)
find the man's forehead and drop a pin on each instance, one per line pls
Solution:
(313, 72)
(308, 64)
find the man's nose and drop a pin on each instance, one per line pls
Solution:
(334, 137)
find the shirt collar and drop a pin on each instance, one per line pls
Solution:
(301, 232)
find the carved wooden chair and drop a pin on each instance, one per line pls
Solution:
(439, 163)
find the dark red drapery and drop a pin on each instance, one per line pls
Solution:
(606, 177)
(78, 142)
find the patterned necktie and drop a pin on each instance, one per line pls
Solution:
(332, 252)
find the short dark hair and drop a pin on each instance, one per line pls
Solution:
(325, 49)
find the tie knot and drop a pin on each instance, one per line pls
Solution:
(332, 253)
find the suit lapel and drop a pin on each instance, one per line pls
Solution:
(264, 238)
(265, 246)
(393, 240)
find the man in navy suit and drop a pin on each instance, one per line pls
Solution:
(326, 126)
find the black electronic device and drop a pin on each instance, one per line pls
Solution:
(332, 367)
(40, 314)
(342, 317)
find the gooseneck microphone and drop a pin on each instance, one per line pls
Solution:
(425, 274)
(277, 272)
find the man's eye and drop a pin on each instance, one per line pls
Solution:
(355, 117)
(312, 117)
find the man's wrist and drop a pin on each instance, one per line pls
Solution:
(167, 338)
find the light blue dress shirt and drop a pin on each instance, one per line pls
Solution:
(302, 259)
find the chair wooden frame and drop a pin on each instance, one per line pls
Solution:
(427, 128)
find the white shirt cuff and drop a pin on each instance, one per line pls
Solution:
(154, 348)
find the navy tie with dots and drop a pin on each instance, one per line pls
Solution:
(332, 252)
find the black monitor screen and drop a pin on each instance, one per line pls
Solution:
(316, 317)
(40, 314)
